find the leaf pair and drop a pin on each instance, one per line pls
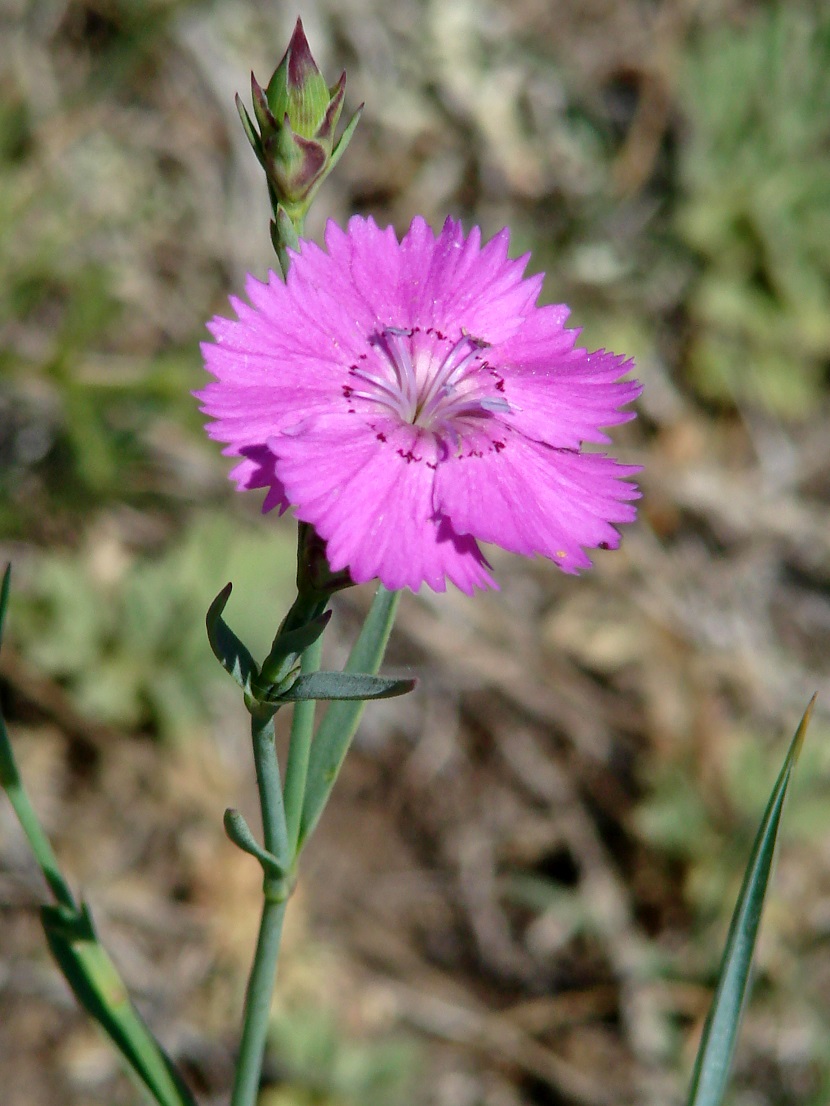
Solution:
(279, 679)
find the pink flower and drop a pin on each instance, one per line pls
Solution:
(410, 399)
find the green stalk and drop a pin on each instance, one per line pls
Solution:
(258, 1004)
(299, 752)
(264, 968)
(269, 786)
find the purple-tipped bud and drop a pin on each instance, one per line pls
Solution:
(297, 115)
(298, 89)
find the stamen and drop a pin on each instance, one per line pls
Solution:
(423, 388)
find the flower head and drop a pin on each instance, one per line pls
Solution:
(410, 400)
(297, 115)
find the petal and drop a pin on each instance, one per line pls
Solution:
(368, 492)
(561, 395)
(258, 471)
(529, 498)
(454, 284)
(369, 261)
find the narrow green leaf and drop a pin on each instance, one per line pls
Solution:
(99, 988)
(720, 1033)
(9, 776)
(227, 648)
(239, 832)
(12, 784)
(332, 740)
(35, 834)
(81, 958)
(4, 598)
(345, 686)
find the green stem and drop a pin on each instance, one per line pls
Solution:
(264, 968)
(299, 751)
(258, 1004)
(269, 785)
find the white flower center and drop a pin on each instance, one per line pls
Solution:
(427, 381)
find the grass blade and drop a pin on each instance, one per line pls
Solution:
(332, 740)
(714, 1058)
(81, 958)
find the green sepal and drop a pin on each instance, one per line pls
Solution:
(250, 131)
(720, 1034)
(279, 249)
(227, 648)
(287, 230)
(345, 686)
(99, 989)
(335, 733)
(343, 141)
(288, 648)
(336, 154)
(267, 122)
(283, 229)
(240, 834)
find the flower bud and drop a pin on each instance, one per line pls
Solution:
(297, 115)
(298, 89)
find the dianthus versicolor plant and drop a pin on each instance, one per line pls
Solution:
(407, 399)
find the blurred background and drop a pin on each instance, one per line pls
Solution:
(520, 893)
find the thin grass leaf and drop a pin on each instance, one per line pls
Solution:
(332, 740)
(99, 988)
(714, 1057)
(4, 597)
(12, 784)
(73, 942)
